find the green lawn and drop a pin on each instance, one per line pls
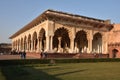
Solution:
(69, 71)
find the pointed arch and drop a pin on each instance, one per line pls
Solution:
(25, 43)
(81, 41)
(34, 35)
(65, 40)
(97, 43)
(42, 39)
(29, 42)
(34, 39)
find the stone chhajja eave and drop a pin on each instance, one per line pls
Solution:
(80, 23)
(33, 23)
(57, 15)
(95, 22)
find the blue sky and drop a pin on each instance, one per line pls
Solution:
(14, 14)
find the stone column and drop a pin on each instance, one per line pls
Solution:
(44, 42)
(51, 43)
(72, 45)
(38, 45)
(29, 43)
(75, 48)
(105, 44)
(90, 39)
(47, 43)
(98, 49)
(17, 46)
(27, 46)
(59, 44)
(23, 46)
(90, 45)
(32, 46)
(104, 47)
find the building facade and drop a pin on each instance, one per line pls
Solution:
(60, 32)
(114, 42)
(5, 48)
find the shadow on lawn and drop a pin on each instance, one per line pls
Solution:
(30, 73)
(26, 73)
(70, 72)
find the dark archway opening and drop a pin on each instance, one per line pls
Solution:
(35, 41)
(114, 53)
(65, 40)
(42, 39)
(29, 42)
(97, 43)
(81, 41)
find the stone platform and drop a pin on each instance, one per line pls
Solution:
(68, 55)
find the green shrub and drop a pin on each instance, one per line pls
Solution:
(47, 61)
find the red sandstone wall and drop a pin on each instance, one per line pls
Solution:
(111, 53)
(114, 38)
(114, 34)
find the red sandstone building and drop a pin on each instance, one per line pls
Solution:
(114, 42)
(64, 33)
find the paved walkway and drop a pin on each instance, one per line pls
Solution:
(8, 57)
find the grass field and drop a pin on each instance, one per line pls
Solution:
(69, 71)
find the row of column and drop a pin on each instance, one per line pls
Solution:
(36, 46)
(33, 46)
(73, 45)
